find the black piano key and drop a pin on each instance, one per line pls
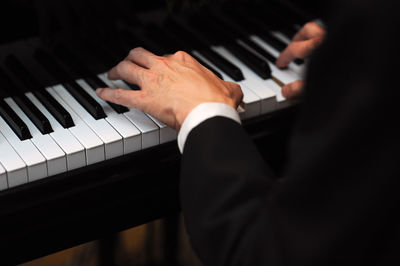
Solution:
(171, 45)
(14, 121)
(254, 62)
(226, 66)
(188, 38)
(94, 82)
(299, 61)
(262, 32)
(243, 22)
(34, 114)
(132, 86)
(84, 99)
(60, 114)
(274, 19)
(235, 31)
(208, 66)
(34, 85)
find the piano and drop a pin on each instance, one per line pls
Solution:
(74, 168)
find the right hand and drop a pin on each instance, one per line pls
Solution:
(303, 44)
(171, 86)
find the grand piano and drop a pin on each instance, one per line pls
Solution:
(74, 168)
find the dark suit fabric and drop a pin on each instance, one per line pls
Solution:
(338, 200)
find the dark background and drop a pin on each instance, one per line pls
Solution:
(27, 18)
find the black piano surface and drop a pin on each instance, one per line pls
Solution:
(92, 202)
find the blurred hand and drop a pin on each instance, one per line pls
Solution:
(303, 44)
(171, 86)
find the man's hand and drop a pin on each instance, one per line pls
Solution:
(303, 44)
(171, 86)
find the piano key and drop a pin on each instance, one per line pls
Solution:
(167, 134)
(95, 83)
(13, 120)
(74, 150)
(94, 146)
(221, 33)
(208, 66)
(223, 64)
(150, 131)
(292, 66)
(32, 157)
(87, 102)
(30, 110)
(191, 40)
(13, 164)
(31, 83)
(259, 86)
(55, 69)
(245, 22)
(255, 63)
(282, 76)
(59, 113)
(3, 178)
(251, 100)
(80, 68)
(172, 45)
(37, 118)
(132, 139)
(55, 157)
(112, 140)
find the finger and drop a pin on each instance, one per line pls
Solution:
(142, 57)
(300, 49)
(123, 97)
(308, 31)
(129, 72)
(293, 90)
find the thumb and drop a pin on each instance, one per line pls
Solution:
(293, 90)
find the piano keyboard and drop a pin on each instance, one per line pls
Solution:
(45, 131)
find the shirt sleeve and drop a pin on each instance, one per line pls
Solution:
(201, 113)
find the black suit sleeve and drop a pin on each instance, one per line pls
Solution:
(337, 201)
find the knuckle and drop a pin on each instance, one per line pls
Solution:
(122, 66)
(118, 94)
(182, 55)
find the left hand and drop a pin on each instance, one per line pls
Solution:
(171, 86)
(303, 44)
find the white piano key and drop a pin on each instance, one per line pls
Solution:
(259, 86)
(167, 134)
(251, 100)
(94, 146)
(3, 178)
(112, 140)
(150, 131)
(13, 164)
(281, 36)
(298, 69)
(55, 157)
(132, 139)
(32, 157)
(74, 150)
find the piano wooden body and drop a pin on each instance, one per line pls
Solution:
(124, 188)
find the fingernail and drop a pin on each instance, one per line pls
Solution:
(99, 90)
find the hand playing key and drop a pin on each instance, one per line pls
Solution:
(171, 86)
(303, 44)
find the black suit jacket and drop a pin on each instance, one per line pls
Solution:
(338, 200)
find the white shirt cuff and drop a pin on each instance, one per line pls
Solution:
(201, 113)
